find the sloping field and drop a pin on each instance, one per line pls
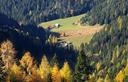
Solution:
(66, 24)
(83, 35)
(74, 32)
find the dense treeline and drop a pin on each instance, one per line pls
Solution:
(107, 54)
(106, 12)
(26, 68)
(29, 11)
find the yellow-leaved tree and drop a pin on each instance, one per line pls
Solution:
(99, 79)
(107, 78)
(115, 54)
(66, 72)
(98, 66)
(44, 69)
(7, 53)
(120, 22)
(120, 76)
(27, 62)
(16, 72)
(55, 74)
(30, 68)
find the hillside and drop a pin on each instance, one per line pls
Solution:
(29, 11)
(107, 53)
(109, 11)
(40, 42)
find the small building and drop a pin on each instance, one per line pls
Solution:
(57, 25)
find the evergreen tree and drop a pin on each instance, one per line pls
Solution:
(54, 61)
(81, 68)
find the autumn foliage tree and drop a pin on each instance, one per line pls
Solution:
(27, 62)
(7, 53)
(7, 58)
(16, 73)
(3, 71)
(66, 72)
(55, 74)
(120, 76)
(44, 69)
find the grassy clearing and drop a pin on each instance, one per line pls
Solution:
(76, 34)
(66, 24)
(77, 40)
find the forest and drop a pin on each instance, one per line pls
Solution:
(34, 12)
(29, 53)
(109, 10)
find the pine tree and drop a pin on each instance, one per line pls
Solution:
(66, 72)
(44, 68)
(54, 61)
(81, 68)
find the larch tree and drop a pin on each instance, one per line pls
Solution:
(7, 53)
(55, 74)
(120, 22)
(44, 68)
(27, 63)
(115, 54)
(98, 66)
(16, 72)
(3, 71)
(107, 78)
(66, 72)
(120, 76)
(99, 79)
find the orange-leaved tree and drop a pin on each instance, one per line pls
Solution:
(27, 62)
(7, 53)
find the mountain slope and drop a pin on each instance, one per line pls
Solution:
(106, 12)
(107, 54)
(29, 11)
